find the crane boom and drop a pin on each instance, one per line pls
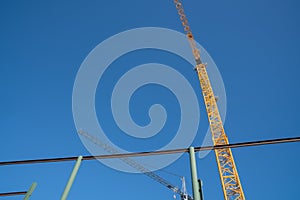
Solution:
(231, 185)
(137, 166)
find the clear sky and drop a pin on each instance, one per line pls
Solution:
(255, 45)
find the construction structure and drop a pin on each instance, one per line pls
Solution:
(135, 165)
(231, 184)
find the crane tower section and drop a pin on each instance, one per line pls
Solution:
(231, 185)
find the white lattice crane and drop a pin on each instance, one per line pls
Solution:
(182, 193)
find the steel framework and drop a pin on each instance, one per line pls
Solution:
(231, 184)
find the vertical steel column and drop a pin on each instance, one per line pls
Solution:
(195, 184)
(71, 179)
(30, 191)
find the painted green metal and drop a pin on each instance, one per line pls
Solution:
(30, 191)
(195, 184)
(71, 179)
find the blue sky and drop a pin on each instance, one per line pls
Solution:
(255, 45)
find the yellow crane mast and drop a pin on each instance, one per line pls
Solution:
(231, 185)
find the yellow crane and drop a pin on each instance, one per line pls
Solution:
(232, 188)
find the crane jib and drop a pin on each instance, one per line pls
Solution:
(231, 185)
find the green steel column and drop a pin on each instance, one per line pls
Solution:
(195, 184)
(71, 179)
(30, 191)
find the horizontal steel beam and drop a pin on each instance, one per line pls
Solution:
(151, 153)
